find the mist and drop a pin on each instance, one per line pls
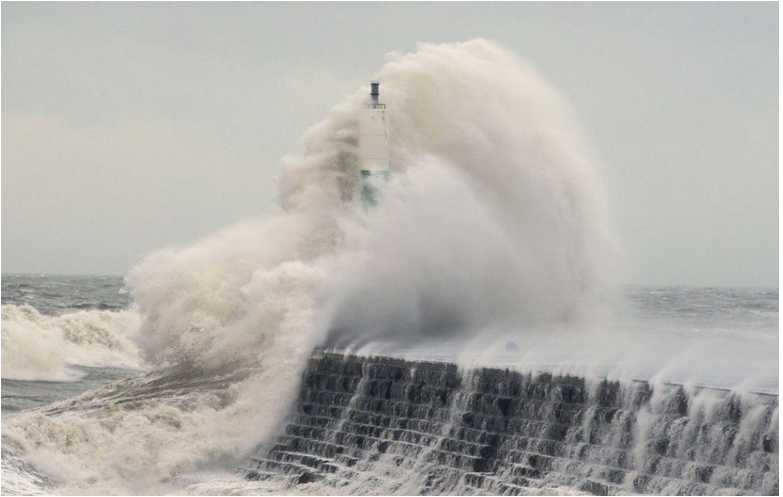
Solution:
(130, 127)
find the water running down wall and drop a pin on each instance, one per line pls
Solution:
(380, 426)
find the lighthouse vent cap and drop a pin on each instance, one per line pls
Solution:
(374, 94)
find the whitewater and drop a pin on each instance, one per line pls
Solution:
(492, 246)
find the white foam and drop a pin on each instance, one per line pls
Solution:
(19, 478)
(494, 217)
(39, 347)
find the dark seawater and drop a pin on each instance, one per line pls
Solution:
(703, 309)
(21, 395)
(55, 295)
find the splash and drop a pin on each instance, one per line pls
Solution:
(493, 220)
(382, 426)
(38, 347)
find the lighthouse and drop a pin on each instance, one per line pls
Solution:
(373, 147)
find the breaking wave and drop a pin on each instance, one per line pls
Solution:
(39, 347)
(493, 220)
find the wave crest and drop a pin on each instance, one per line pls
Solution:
(40, 347)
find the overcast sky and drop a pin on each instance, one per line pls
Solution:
(127, 127)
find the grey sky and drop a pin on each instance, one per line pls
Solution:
(127, 127)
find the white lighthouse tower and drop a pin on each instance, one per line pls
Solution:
(373, 147)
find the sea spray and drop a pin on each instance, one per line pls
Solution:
(493, 220)
(40, 347)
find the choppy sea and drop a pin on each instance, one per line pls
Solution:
(65, 335)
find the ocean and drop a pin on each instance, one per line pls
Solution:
(65, 310)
